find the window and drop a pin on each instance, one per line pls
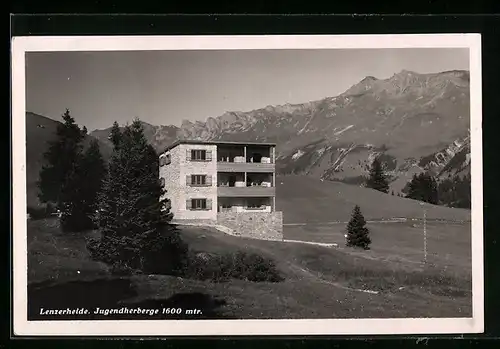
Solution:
(199, 204)
(197, 180)
(198, 155)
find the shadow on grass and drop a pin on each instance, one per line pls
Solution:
(115, 299)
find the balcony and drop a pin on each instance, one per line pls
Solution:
(252, 191)
(238, 209)
(245, 159)
(250, 204)
(243, 184)
(223, 166)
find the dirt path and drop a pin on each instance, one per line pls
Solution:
(317, 278)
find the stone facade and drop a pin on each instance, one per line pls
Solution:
(257, 225)
(171, 174)
(178, 191)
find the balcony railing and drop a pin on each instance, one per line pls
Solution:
(225, 166)
(242, 159)
(263, 208)
(248, 191)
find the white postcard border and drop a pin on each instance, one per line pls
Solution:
(21, 325)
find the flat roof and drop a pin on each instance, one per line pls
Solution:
(187, 141)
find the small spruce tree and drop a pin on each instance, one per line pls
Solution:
(377, 179)
(357, 232)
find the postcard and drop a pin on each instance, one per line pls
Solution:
(247, 185)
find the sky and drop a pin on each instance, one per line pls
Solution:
(167, 87)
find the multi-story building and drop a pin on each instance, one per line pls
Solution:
(228, 184)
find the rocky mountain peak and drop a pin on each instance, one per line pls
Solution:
(186, 123)
(228, 117)
(408, 118)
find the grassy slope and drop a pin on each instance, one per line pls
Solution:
(314, 203)
(448, 245)
(304, 199)
(55, 256)
(320, 282)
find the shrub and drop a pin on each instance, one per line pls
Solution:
(240, 265)
(42, 212)
(163, 253)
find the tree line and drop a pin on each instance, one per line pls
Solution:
(454, 191)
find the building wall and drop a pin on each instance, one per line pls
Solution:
(257, 225)
(171, 174)
(197, 167)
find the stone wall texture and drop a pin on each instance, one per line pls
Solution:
(256, 225)
(175, 182)
(171, 174)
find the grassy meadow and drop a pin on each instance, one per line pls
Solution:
(320, 282)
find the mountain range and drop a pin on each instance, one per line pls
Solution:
(413, 122)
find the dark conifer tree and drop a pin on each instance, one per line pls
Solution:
(423, 187)
(71, 178)
(377, 179)
(134, 215)
(89, 178)
(357, 232)
(115, 134)
(60, 159)
(455, 191)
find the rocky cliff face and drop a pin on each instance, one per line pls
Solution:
(414, 121)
